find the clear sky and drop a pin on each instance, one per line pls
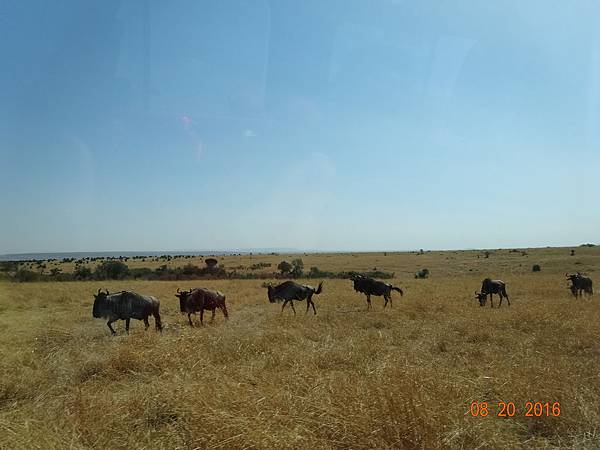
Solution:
(314, 124)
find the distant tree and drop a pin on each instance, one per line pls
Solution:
(82, 273)
(572, 252)
(284, 267)
(112, 270)
(297, 267)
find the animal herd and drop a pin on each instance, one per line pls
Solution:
(127, 305)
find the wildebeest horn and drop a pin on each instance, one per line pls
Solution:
(107, 293)
(178, 290)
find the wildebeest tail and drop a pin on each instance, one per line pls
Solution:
(319, 288)
(224, 309)
(394, 288)
(156, 314)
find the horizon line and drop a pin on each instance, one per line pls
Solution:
(289, 250)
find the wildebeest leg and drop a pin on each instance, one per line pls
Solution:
(283, 306)
(146, 323)
(492, 300)
(313, 305)
(157, 321)
(190, 319)
(368, 301)
(202, 316)
(574, 291)
(224, 310)
(307, 305)
(386, 298)
(212, 318)
(507, 300)
(127, 325)
(292, 305)
(111, 328)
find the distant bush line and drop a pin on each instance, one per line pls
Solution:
(118, 270)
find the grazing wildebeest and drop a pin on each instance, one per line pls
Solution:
(579, 284)
(490, 287)
(201, 299)
(288, 291)
(369, 286)
(126, 305)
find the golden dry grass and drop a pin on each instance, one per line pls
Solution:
(346, 378)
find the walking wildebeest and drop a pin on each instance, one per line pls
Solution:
(490, 287)
(126, 305)
(201, 299)
(580, 284)
(369, 286)
(288, 291)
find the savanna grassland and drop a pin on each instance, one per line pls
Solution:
(347, 378)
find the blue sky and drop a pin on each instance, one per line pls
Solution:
(328, 125)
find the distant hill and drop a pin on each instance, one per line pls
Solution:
(78, 255)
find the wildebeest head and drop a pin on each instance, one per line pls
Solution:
(99, 302)
(573, 277)
(182, 296)
(357, 279)
(271, 293)
(481, 297)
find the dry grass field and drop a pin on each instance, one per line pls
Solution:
(347, 378)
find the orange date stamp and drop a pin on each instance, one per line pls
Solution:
(510, 409)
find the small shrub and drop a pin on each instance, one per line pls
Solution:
(26, 275)
(211, 262)
(536, 268)
(315, 272)
(423, 273)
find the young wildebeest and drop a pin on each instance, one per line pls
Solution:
(369, 286)
(490, 287)
(288, 291)
(201, 299)
(125, 306)
(579, 284)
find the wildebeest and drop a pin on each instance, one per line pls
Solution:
(201, 299)
(579, 284)
(369, 286)
(288, 291)
(490, 287)
(126, 305)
